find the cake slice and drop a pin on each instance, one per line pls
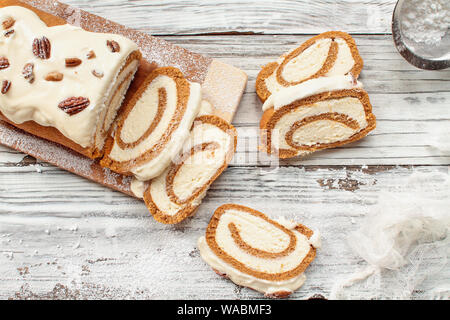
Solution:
(62, 83)
(328, 54)
(269, 256)
(154, 125)
(317, 114)
(179, 190)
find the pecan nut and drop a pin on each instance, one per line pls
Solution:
(4, 63)
(8, 23)
(113, 45)
(74, 105)
(72, 62)
(54, 76)
(28, 73)
(6, 84)
(42, 48)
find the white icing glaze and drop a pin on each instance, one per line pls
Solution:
(262, 235)
(310, 61)
(38, 101)
(137, 187)
(196, 171)
(308, 88)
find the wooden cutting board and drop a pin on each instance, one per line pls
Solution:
(222, 86)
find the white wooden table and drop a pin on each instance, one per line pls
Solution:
(64, 237)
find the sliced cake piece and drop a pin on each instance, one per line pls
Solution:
(317, 114)
(64, 84)
(154, 125)
(179, 190)
(327, 54)
(254, 251)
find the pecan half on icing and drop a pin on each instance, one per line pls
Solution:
(91, 54)
(74, 105)
(73, 62)
(54, 76)
(113, 45)
(4, 63)
(42, 48)
(6, 84)
(98, 74)
(8, 23)
(28, 73)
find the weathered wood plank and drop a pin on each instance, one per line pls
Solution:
(264, 16)
(101, 244)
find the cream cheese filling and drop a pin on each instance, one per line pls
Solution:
(309, 88)
(310, 61)
(142, 115)
(116, 95)
(38, 101)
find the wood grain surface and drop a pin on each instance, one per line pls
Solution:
(62, 236)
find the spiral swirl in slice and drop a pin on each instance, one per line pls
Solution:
(153, 125)
(177, 192)
(318, 114)
(257, 252)
(327, 54)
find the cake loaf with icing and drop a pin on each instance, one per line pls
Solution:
(254, 251)
(153, 125)
(328, 54)
(317, 114)
(60, 82)
(179, 190)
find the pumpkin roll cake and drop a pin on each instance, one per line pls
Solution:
(269, 256)
(317, 114)
(328, 54)
(154, 125)
(62, 83)
(178, 191)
